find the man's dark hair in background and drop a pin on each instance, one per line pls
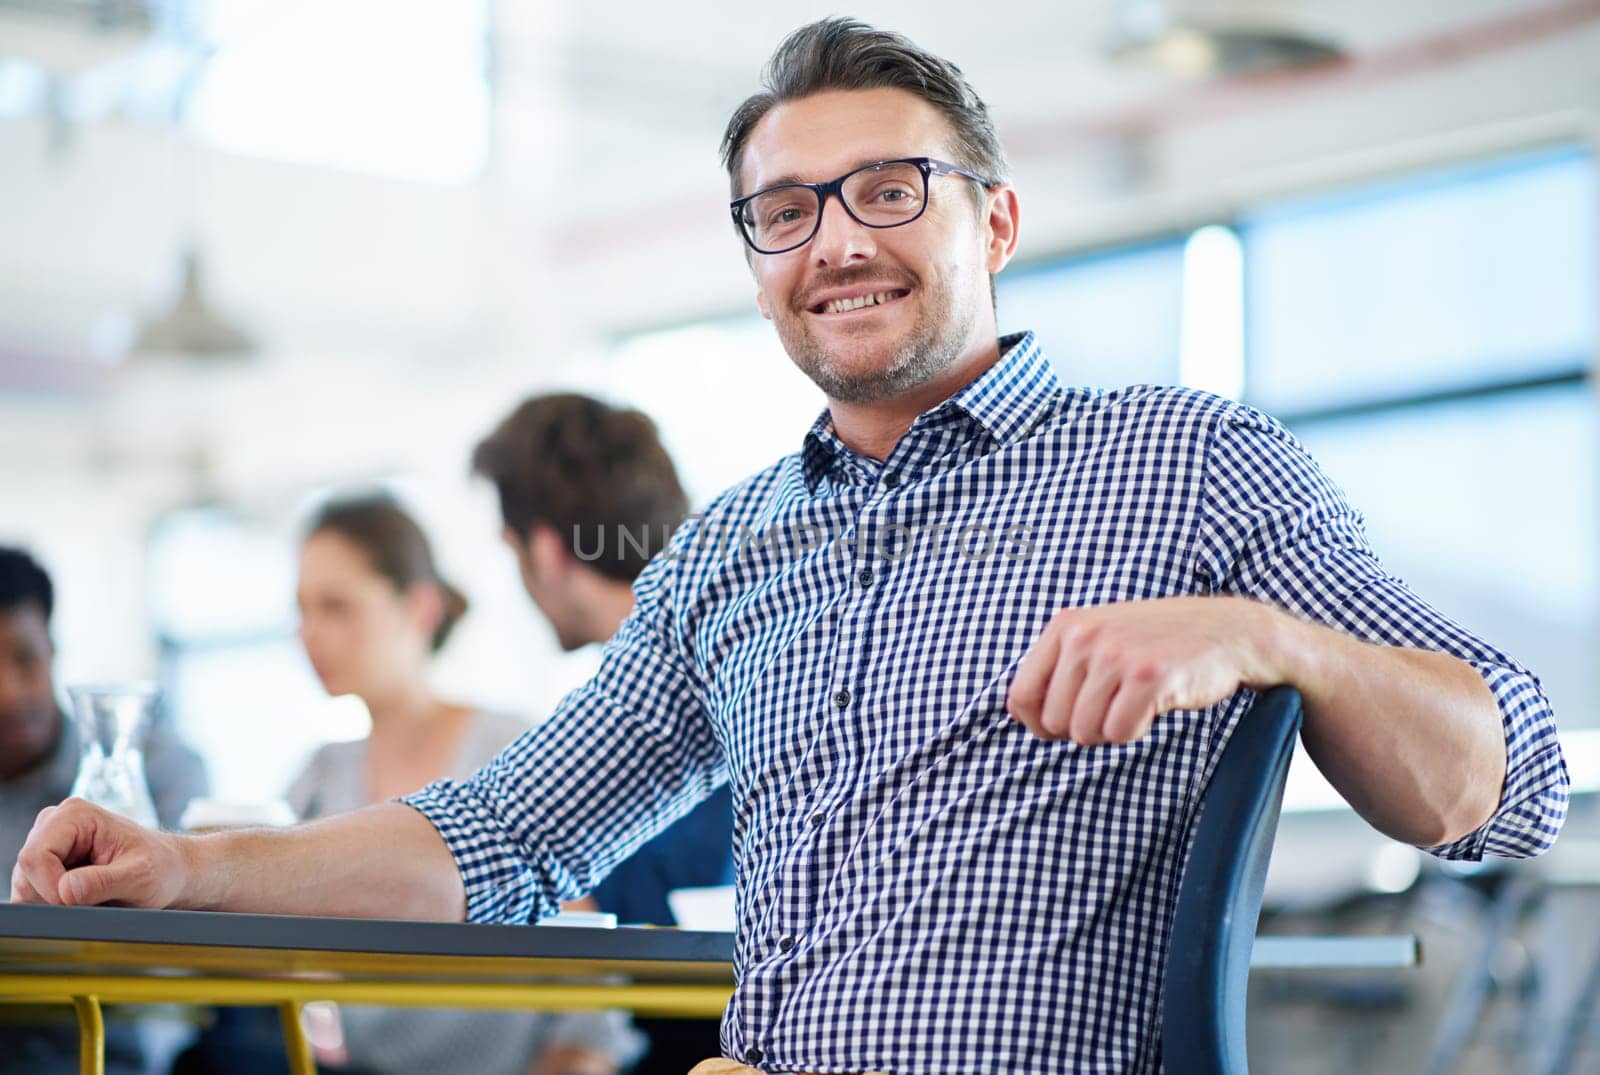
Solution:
(585, 469)
(29, 720)
(23, 581)
(570, 470)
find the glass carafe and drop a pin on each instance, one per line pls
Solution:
(111, 721)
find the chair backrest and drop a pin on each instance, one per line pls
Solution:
(1219, 899)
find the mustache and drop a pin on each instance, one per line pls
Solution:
(829, 279)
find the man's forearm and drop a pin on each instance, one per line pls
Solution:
(384, 861)
(1413, 740)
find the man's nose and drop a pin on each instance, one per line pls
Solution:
(841, 238)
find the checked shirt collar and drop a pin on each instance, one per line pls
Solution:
(999, 407)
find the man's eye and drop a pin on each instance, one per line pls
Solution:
(788, 214)
(895, 195)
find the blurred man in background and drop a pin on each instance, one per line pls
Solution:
(38, 763)
(38, 745)
(588, 494)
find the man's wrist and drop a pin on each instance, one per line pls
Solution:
(204, 872)
(1279, 647)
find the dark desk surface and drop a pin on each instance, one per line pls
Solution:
(124, 941)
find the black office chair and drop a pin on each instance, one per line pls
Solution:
(1219, 899)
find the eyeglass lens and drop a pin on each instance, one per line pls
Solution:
(881, 196)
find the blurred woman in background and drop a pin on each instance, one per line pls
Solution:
(373, 610)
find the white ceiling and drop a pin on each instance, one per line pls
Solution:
(656, 82)
(589, 97)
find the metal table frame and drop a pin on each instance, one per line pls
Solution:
(90, 956)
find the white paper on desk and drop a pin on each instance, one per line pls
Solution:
(589, 919)
(709, 908)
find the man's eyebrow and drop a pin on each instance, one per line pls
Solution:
(860, 162)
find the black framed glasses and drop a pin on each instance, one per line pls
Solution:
(886, 194)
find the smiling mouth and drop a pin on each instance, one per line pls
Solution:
(858, 302)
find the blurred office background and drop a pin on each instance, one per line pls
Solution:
(253, 252)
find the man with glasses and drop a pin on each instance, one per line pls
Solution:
(966, 662)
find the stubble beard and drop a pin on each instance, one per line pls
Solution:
(928, 349)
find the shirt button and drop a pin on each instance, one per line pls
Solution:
(842, 699)
(865, 577)
(817, 820)
(785, 944)
(891, 480)
(754, 1055)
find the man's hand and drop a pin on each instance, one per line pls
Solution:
(383, 861)
(1103, 674)
(78, 854)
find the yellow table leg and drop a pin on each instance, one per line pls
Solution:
(91, 1036)
(301, 1062)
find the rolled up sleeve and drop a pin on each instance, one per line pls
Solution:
(1533, 800)
(623, 756)
(1277, 529)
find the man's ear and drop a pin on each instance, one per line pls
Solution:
(520, 548)
(547, 553)
(761, 304)
(1000, 226)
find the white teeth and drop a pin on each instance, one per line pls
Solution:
(839, 306)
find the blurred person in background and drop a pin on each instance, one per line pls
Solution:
(38, 763)
(373, 610)
(572, 474)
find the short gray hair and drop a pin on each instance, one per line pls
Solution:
(847, 54)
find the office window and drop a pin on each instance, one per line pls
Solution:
(23, 88)
(221, 598)
(220, 586)
(397, 90)
(725, 395)
(1106, 319)
(1467, 276)
(1487, 508)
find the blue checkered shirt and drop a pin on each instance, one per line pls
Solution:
(924, 887)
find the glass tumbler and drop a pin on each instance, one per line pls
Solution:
(111, 721)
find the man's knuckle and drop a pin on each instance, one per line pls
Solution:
(1087, 632)
(1144, 671)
